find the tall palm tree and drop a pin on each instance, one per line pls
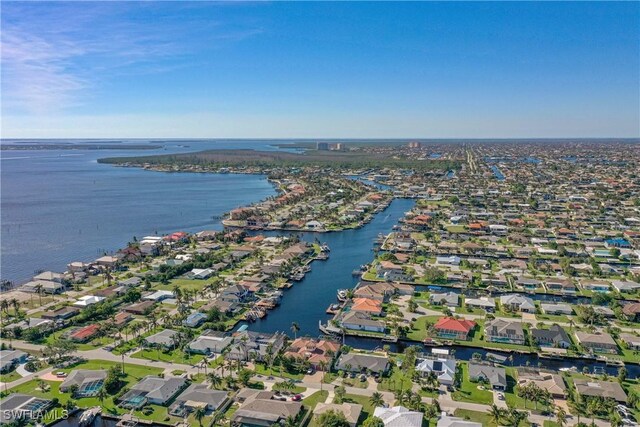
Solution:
(214, 379)
(295, 328)
(101, 395)
(39, 288)
(15, 303)
(199, 414)
(376, 399)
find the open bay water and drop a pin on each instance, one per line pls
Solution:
(59, 206)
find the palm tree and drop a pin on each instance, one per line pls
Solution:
(102, 394)
(215, 379)
(376, 399)
(323, 367)
(295, 328)
(199, 414)
(15, 303)
(495, 413)
(39, 288)
(561, 417)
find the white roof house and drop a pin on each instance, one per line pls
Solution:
(87, 300)
(398, 416)
(445, 369)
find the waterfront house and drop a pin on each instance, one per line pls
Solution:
(165, 338)
(450, 299)
(398, 416)
(504, 331)
(517, 302)
(108, 261)
(87, 381)
(600, 389)
(484, 303)
(528, 284)
(631, 311)
(495, 376)
(313, 350)
(555, 336)
(602, 286)
(46, 286)
(600, 342)
(448, 260)
(33, 323)
(625, 285)
(30, 407)
(361, 362)
(386, 268)
(152, 390)
(367, 305)
(445, 369)
(351, 411)
(560, 285)
(201, 273)
(451, 328)
(362, 322)
(85, 333)
(551, 382)
(197, 396)
(9, 359)
(234, 294)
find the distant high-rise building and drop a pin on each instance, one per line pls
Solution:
(415, 144)
(339, 146)
(322, 146)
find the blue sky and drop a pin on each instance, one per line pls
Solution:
(287, 70)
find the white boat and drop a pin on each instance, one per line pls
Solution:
(342, 295)
(87, 417)
(571, 369)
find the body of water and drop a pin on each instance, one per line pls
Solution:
(307, 301)
(60, 206)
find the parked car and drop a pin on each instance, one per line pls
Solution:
(61, 374)
(500, 396)
(296, 398)
(363, 378)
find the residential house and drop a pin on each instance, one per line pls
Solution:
(194, 319)
(631, 341)
(451, 328)
(165, 338)
(555, 336)
(600, 342)
(601, 389)
(265, 412)
(449, 421)
(152, 390)
(313, 350)
(556, 309)
(504, 331)
(450, 299)
(351, 411)
(551, 382)
(85, 333)
(361, 362)
(484, 303)
(517, 302)
(445, 369)
(362, 322)
(398, 416)
(366, 305)
(29, 407)
(9, 359)
(88, 382)
(210, 342)
(255, 345)
(495, 376)
(197, 396)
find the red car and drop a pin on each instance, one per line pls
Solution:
(297, 398)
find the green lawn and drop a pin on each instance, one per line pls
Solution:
(133, 374)
(8, 377)
(396, 381)
(482, 418)
(191, 284)
(262, 369)
(469, 391)
(419, 331)
(174, 356)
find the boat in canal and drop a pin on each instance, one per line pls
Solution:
(88, 416)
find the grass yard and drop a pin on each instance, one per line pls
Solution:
(8, 377)
(262, 369)
(396, 381)
(174, 356)
(311, 402)
(468, 391)
(419, 331)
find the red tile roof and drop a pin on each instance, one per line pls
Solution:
(86, 332)
(451, 324)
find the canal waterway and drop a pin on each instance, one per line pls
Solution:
(306, 302)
